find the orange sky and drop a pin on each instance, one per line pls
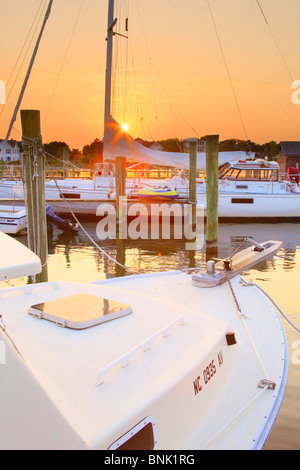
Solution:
(174, 79)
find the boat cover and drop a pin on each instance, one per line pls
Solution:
(118, 143)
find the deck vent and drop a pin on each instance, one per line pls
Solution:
(142, 437)
(79, 311)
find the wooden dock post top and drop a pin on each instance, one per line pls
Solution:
(31, 126)
(212, 137)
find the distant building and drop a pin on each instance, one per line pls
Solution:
(154, 146)
(157, 147)
(200, 145)
(289, 156)
(11, 151)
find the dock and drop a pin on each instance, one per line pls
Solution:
(89, 207)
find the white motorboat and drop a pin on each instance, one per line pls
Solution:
(12, 219)
(71, 188)
(254, 189)
(170, 360)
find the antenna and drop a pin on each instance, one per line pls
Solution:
(111, 27)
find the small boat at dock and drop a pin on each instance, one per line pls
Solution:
(12, 219)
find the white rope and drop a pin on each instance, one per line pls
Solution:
(267, 380)
(86, 233)
(78, 222)
(255, 349)
(3, 328)
(235, 417)
(243, 318)
(249, 283)
(68, 163)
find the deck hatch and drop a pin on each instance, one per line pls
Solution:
(79, 311)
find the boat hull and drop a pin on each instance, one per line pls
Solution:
(177, 367)
(12, 220)
(250, 205)
(84, 199)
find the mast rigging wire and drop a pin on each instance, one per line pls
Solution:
(20, 54)
(274, 39)
(228, 72)
(28, 74)
(13, 119)
(64, 59)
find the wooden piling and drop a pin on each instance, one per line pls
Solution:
(212, 188)
(120, 171)
(66, 160)
(34, 176)
(193, 177)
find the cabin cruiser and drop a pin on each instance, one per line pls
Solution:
(253, 188)
(255, 176)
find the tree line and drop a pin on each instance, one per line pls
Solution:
(93, 153)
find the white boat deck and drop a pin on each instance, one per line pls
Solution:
(16, 260)
(165, 381)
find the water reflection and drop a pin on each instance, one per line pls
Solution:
(72, 257)
(279, 276)
(157, 255)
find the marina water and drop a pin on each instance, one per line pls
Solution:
(72, 257)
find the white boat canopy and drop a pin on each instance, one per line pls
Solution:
(16, 260)
(118, 143)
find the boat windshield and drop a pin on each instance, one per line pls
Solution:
(248, 174)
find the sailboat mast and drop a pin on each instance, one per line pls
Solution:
(108, 78)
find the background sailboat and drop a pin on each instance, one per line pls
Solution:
(118, 142)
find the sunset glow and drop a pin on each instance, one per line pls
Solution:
(169, 78)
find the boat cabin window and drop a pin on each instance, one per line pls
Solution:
(267, 175)
(232, 174)
(141, 437)
(223, 170)
(248, 174)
